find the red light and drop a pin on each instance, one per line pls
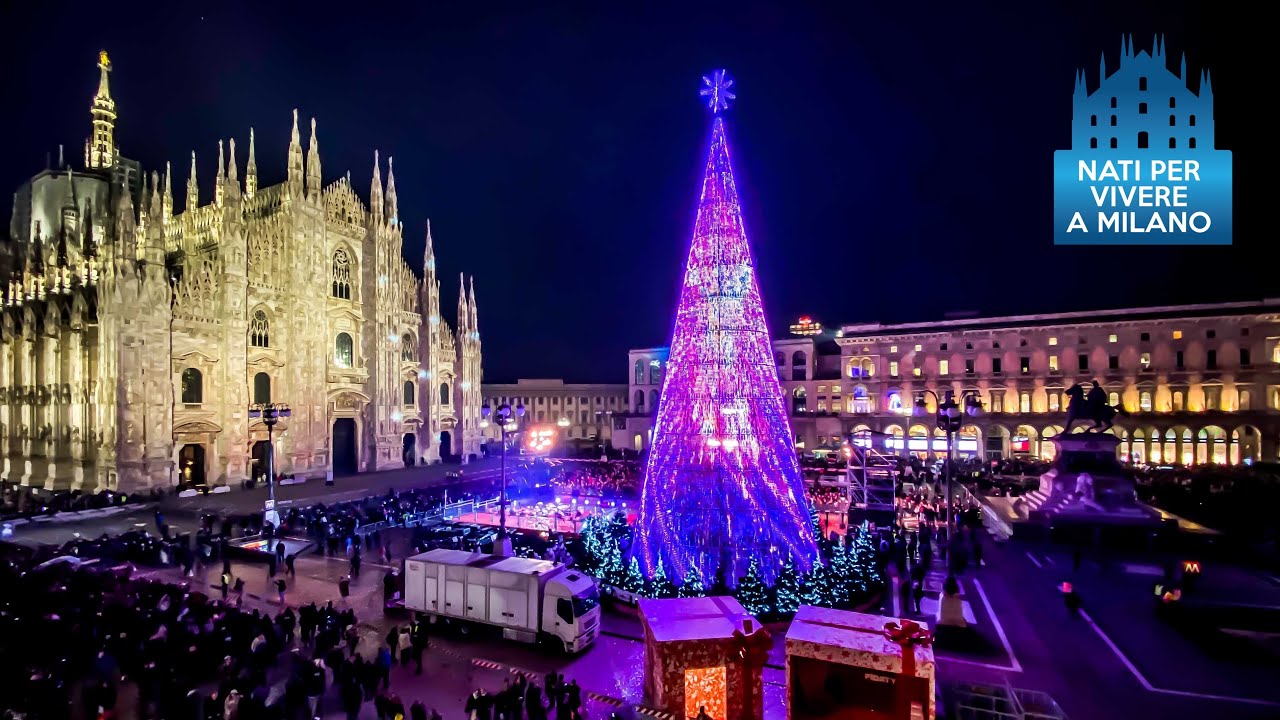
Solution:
(1191, 566)
(805, 320)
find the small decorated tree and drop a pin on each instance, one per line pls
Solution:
(633, 581)
(692, 585)
(660, 585)
(752, 593)
(787, 589)
(819, 587)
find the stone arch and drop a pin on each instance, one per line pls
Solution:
(1048, 450)
(1025, 441)
(343, 273)
(260, 328)
(344, 352)
(1247, 440)
(408, 347)
(192, 387)
(1217, 444)
(969, 442)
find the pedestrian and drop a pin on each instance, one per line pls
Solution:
(239, 587)
(352, 697)
(917, 594)
(393, 641)
(288, 563)
(384, 662)
(406, 647)
(280, 551)
(417, 711)
(226, 582)
(280, 588)
(1071, 599)
(418, 634)
(355, 563)
(344, 586)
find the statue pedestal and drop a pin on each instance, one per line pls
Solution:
(1087, 483)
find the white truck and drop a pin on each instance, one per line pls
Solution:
(529, 600)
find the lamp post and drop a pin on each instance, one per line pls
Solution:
(503, 416)
(270, 414)
(950, 420)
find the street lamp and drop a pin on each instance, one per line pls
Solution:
(503, 417)
(950, 419)
(270, 414)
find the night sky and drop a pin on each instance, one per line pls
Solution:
(894, 160)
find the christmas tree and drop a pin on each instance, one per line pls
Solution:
(722, 484)
(660, 585)
(752, 593)
(788, 590)
(692, 585)
(634, 580)
(819, 587)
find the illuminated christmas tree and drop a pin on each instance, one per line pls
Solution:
(722, 484)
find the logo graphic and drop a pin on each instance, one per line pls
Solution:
(1142, 168)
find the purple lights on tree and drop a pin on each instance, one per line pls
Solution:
(722, 484)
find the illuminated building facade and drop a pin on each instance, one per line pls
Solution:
(135, 336)
(1201, 383)
(580, 411)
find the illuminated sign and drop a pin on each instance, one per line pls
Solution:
(540, 439)
(919, 444)
(806, 326)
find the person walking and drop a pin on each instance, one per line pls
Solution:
(288, 564)
(355, 563)
(280, 588)
(226, 583)
(406, 646)
(393, 642)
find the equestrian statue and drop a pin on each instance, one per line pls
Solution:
(1093, 406)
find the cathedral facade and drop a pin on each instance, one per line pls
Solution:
(137, 338)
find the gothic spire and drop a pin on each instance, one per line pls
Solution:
(464, 316)
(251, 171)
(220, 178)
(168, 191)
(102, 147)
(393, 210)
(193, 192)
(233, 178)
(295, 159)
(429, 255)
(313, 164)
(475, 320)
(153, 250)
(375, 192)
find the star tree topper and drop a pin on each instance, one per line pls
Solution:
(716, 90)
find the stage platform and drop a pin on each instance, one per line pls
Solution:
(257, 547)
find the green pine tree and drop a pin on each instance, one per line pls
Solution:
(787, 589)
(612, 570)
(660, 585)
(692, 585)
(819, 587)
(752, 594)
(634, 581)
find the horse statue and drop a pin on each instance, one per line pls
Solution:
(1094, 407)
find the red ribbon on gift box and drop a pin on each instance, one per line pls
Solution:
(907, 636)
(753, 647)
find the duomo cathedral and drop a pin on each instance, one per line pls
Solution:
(136, 337)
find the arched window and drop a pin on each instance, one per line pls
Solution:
(639, 401)
(1113, 102)
(1173, 120)
(1093, 143)
(653, 401)
(655, 372)
(343, 351)
(1191, 120)
(1173, 102)
(408, 392)
(444, 393)
(1142, 140)
(1142, 83)
(261, 388)
(1144, 401)
(1191, 143)
(408, 348)
(1245, 400)
(799, 401)
(1113, 121)
(1173, 143)
(341, 274)
(1024, 402)
(192, 387)
(1093, 121)
(1142, 108)
(798, 369)
(639, 372)
(1113, 398)
(1114, 144)
(260, 330)
(797, 357)
(779, 359)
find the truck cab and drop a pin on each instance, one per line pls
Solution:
(571, 610)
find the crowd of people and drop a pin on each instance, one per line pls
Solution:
(611, 479)
(20, 501)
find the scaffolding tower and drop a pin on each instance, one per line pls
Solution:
(872, 474)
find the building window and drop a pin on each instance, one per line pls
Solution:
(944, 367)
(919, 348)
(1191, 143)
(259, 330)
(409, 392)
(1093, 143)
(1083, 361)
(1245, 400)
(444, 394)
(192, 387)
(1024, 402)
(1212, 397)
(995, 365)
(1173, 143)
(1114, 144)
(639, 401)
(1113, 399)
(968, 346)
(1144, 360)
(1142, 84)
(1112, 338)
(1026, 364)
(1142, 108)
(995, 344)
(943, 346)
(893, 348)
(655, 372)
(1145, 337)
(1054, 401)
(1143, 138)
(639, 372)
(1113, 362)
(1144, 401)
(916, 371)
(1053, 341)
(343, 351)
(1212, 360)
(1191, 120)
(408, 348)
(1053, 363)
(997, 401)
(1211, 334)
(1173, 121)
(1244, 357)
(341, 274)
(261, 388)
(653, 401)
(1093, 121)
(1179, 401)
(1113, 102)
(1173, 102)
(1177, 359)
(799, 403)
(968, 367)
(1113, 121)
